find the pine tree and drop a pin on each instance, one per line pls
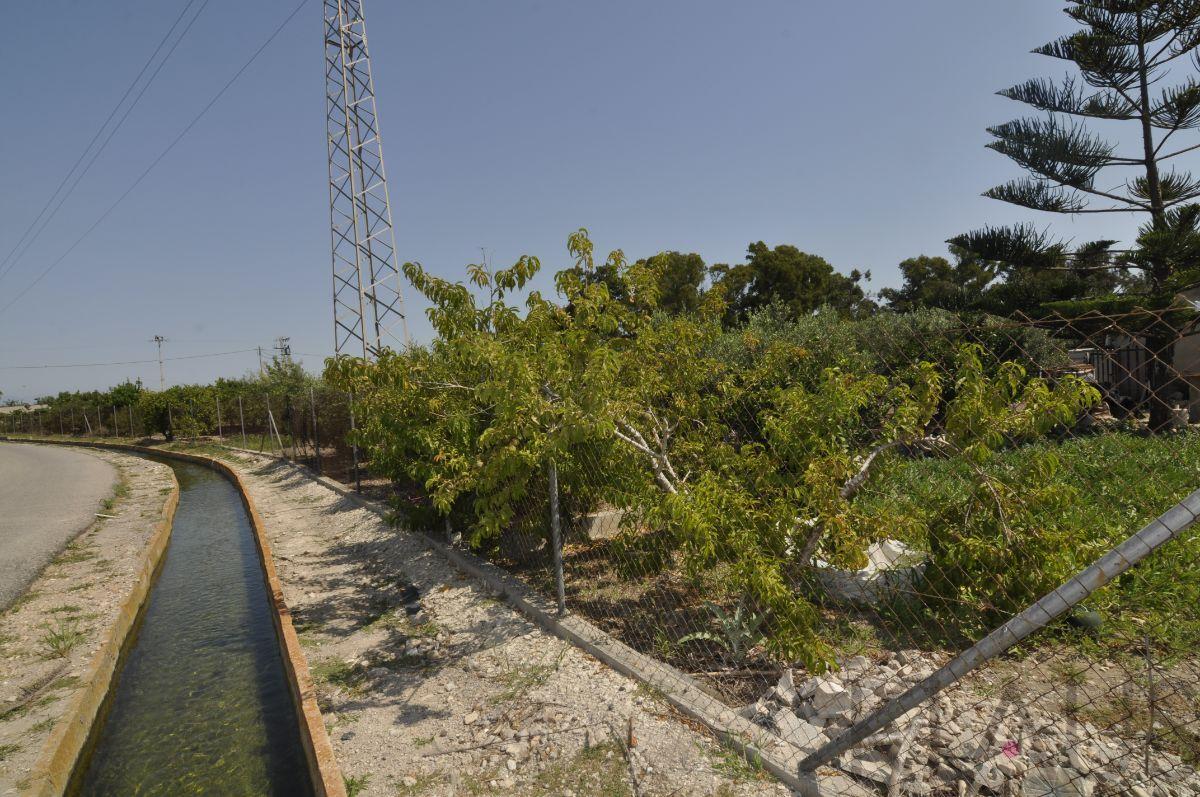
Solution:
(1136, 63)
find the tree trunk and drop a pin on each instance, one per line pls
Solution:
(1162, 377)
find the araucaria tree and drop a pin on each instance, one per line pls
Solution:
(1136, 64)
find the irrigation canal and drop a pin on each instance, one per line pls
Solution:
(201, 705)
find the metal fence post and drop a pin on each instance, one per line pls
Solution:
(312, 401)
(116, 429)
(220, 429)
(1046, 610)
(242, 421)
(354, 449)
(130, 408)
(556, 540)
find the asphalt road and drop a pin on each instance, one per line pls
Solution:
(47, 496)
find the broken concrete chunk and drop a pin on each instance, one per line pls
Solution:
(830, 698)
(796, 731)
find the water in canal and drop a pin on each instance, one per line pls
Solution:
(202, 704)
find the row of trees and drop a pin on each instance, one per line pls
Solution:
(193, 409)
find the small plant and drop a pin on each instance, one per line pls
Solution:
(338, 673)
(61, 637)
(355, 785)
(419, 785)
(737, 766)
(741, 630)
(8, 749)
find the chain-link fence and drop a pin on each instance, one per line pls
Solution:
(848, 508)
(872, 537)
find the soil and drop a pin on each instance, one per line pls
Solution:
(50, 634)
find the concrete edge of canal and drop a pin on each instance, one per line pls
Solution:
(69, 739)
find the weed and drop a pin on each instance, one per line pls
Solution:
(338, 673)
(422, 741)
(82, 586)
(42, 726)
(22, 601)
(8, 749)
(64, 609)
(421, 784)
(739, 767)
(1070, 673)
(75, 552)
(61, 637)
(355, 785)
(599, 770)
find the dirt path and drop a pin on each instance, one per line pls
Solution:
(465, 696)
(49, 636)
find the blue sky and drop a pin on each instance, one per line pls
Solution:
(852, 130)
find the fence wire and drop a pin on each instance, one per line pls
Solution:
(943, 529)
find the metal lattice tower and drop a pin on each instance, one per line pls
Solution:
(368, 311)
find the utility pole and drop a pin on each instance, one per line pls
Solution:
(162, 379)
(368, 311)
(261, 370)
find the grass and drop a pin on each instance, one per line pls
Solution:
(598, 771)
(737, 767)
(8, 749)
(1120, 481)
(421, 784)
(61, 637)
(355, 785)
(340, 674)
(522, 678)
(23, 601)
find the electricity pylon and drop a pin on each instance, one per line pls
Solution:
(368, 311)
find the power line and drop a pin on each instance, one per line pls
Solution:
(9, 261)
(161, 155)
(124, 362)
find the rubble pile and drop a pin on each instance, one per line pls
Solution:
(960, 742)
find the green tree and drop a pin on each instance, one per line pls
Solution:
(752, 467)
(1126, 53)
(679, 279)
(936, 282)
(784, 275)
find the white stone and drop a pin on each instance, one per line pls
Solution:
(785, 690)
(830, 698)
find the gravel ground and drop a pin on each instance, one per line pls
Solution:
(465, 696)
(47, 496)
(49, 634)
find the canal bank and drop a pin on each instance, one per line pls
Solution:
(315, 761)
